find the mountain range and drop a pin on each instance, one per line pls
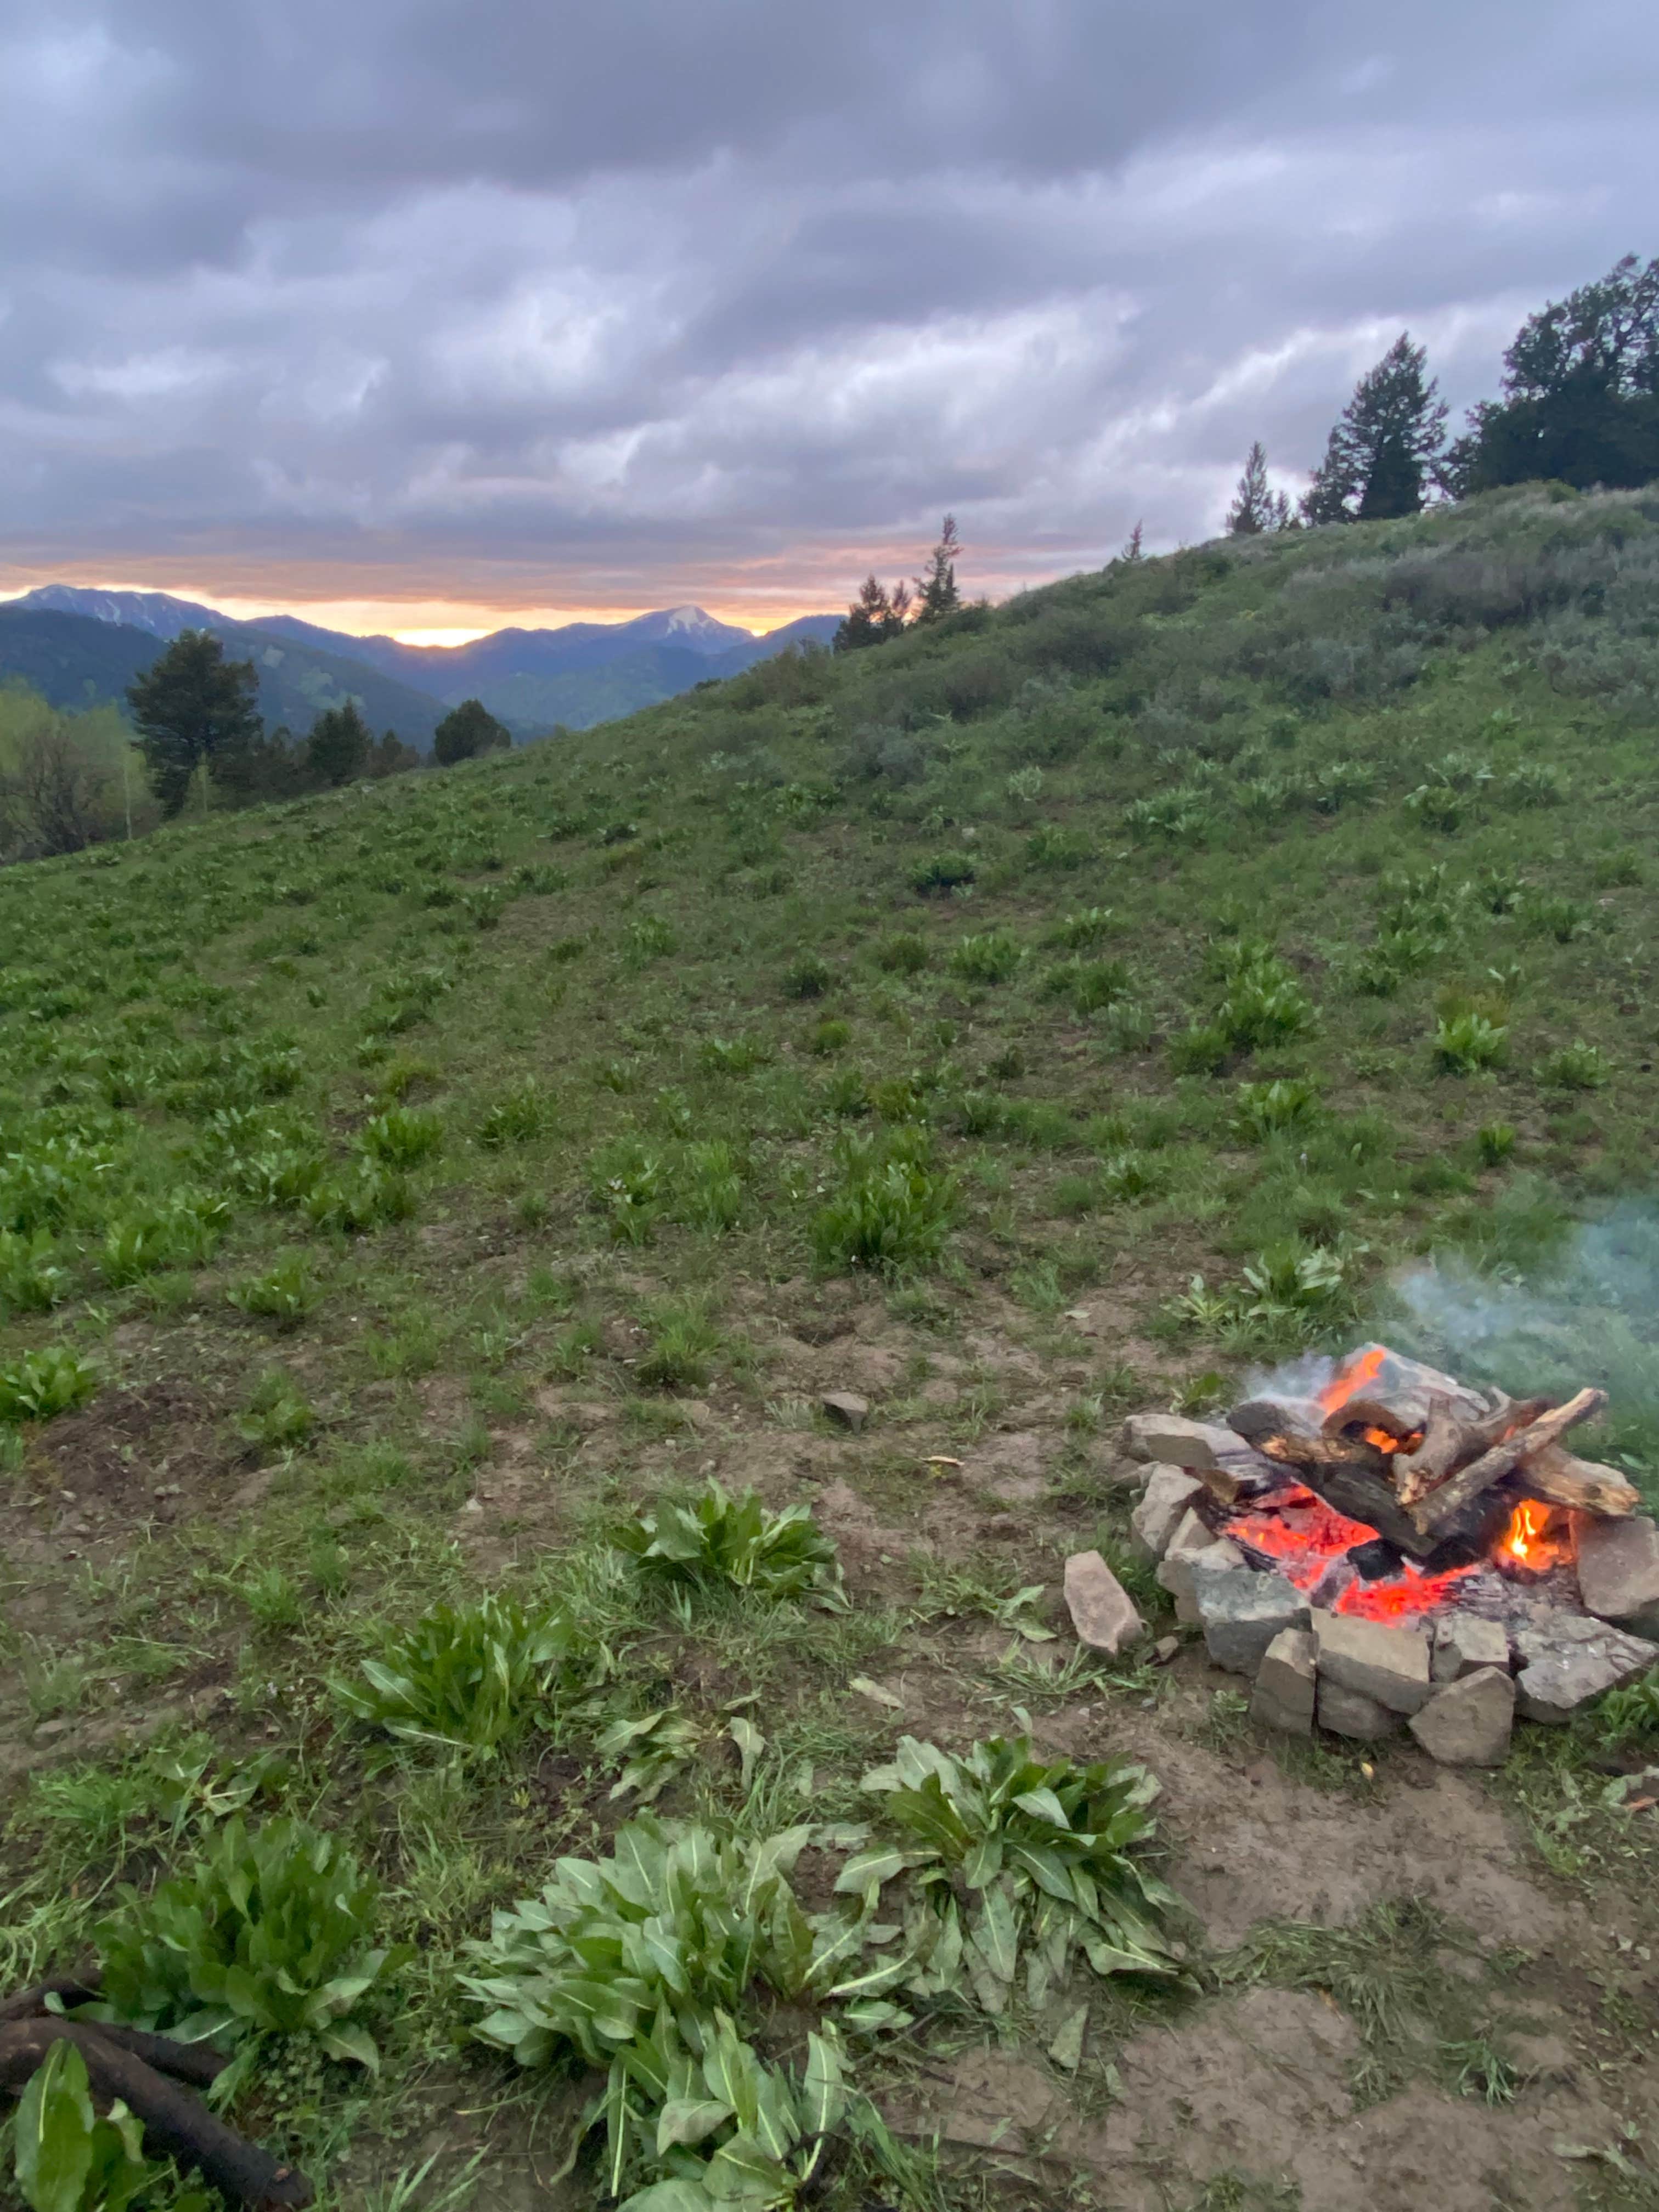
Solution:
(78, 645)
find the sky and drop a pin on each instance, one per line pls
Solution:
(425, 315)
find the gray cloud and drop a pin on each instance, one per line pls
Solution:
(533, 304)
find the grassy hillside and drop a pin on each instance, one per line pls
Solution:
(1051, 1014)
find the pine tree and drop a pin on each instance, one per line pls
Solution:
(936, 592)
(1257, 507)
(467, 731)
(193, 708)
(867, 621)
(339, 744)
(1132, 545)
(1387, 445)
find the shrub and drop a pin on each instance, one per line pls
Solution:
(1577, 1066)
(516, 1117)
(1563, 918)
(894, 1211)
(683, 1343)
(1264, 1002)
(355, 1204)
(403, 1136)
(1629, 1716)
(1535, 783)
(33, 1276)
(943, 873)
(648, 938)
(904, 955)
(277, 1414)
(39, 1385)
(266, 1935)
(1268, 1109)
(829, 1037)
(471, 1679)
(991, 958)
(808, 977)
(1082, 930)
(715, 1541)
(1015, 1854)
(630, 1186)
(711, 1180)
(284, 1294)
(1495, 1142)
(1466, 1043)
(659, 1966)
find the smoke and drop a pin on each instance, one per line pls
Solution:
(1591, 1317)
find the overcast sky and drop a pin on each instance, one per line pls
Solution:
(416, 313)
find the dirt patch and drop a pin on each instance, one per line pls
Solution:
(132, 1456)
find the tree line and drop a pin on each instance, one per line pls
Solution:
(197, 716)
(878, 614)
(1578, 404)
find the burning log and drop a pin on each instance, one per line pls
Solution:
(1450, 1437)
(1558, 1479)
(1432, 1515)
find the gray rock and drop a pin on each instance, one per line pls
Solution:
(1462, 1642)
(847, 1408)
(1283, 1698)
(1618, 1571)
(1169, 1491)
(1352, 1713)
(1567, 1663)
(1467, 1722)
(1102, 1610)
(1242, 1610)
(1388, 1665)
(1192, 1542)
(1171, 1440)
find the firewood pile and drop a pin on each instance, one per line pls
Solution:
(1392, 1548)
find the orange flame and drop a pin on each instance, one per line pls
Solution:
(1349, 1381)
(1533, 1540)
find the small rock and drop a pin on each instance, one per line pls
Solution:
(1191, 1542)
(1241, 1612)
(1166, 1649)
(1101, 1611)
(1173, 1441)
(1387, 1665)
(694, 1413)
(1467, 1722)
(1283, 1698)
(1618, 1571)
(1566, 1662)
(847, 1408)
(1169, 1491)
(1352, 1713)
(61, 1726)
(1462, 1642)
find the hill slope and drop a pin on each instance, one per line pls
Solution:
(427, 1174)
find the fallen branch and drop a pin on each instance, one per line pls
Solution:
(174, 2122)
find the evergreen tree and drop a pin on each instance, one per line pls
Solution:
(338, 747)
(1257, 507)
(467, 731)
(1132, 545)
(1581, 393)
(271, 767)
(391, 756)
(867, 621)
(936, 592)
(1387, 445)
(194, 708)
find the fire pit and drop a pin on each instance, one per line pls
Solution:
(1392, 1548)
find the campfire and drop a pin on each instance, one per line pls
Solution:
(1395, 1529)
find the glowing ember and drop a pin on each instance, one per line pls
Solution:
(1348, 1382)
(1304, 1535)
(1404, 1597)
(1535, 1539)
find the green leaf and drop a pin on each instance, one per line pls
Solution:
(751, 1744)
(1066, 2048)
(55, 2121)
(351, 2040)
(690, 2120)
(996, 1933)
(824, 2091)
(867, 1870)
(669, 2197)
